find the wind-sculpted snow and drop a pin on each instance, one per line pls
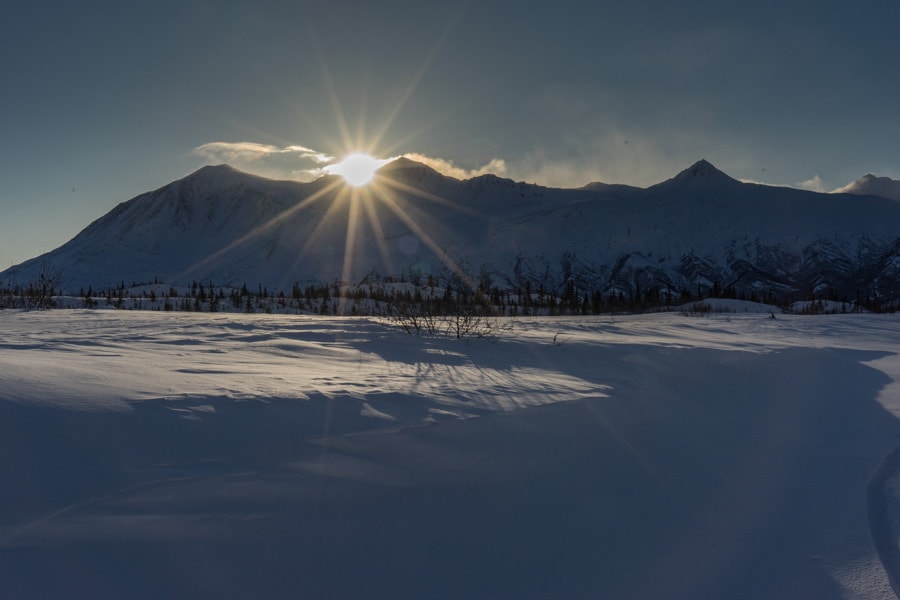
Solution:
(111, 362)
(150, 455)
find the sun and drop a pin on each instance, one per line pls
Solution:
(357, 169)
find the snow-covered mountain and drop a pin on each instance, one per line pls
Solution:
(873, 186)
(700, 228)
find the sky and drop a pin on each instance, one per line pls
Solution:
(104, 100)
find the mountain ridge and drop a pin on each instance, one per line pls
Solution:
(698, 229)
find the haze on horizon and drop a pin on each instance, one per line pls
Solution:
(109, 101)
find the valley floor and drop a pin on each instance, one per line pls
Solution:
(151, 455)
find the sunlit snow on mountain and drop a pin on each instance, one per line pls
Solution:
(700, 228)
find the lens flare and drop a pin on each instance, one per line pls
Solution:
(357, 169)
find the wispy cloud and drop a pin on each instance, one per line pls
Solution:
(303, 163)
(815, 184)
(608, 157)
(636, 162)
(872, 185)
(496, 166)
(287, 162)
(251, 151)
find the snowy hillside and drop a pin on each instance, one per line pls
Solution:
(695, 231)
(154, 455)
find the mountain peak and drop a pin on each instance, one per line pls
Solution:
(222, 168)
(407, 170)
(215, 171)
(702, 169)
(403, 164)
(216, 175)
(701, 172)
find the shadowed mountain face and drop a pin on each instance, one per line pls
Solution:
(700, 228)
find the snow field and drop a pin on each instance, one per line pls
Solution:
(156, 455)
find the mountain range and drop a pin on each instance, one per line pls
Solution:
(699, 229)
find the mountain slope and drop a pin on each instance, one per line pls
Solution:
(700, 228)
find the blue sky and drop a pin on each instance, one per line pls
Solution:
(104, 100)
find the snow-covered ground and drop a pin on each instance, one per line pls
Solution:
(160, 455)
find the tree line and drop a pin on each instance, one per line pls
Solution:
(422, 301)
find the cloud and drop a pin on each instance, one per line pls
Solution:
(496, 166)
(557, 173)
(252, 151)
(815, 184)
(874, 186)
(614, 159)
(302, 163)
(634, 162)
(288, 162)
